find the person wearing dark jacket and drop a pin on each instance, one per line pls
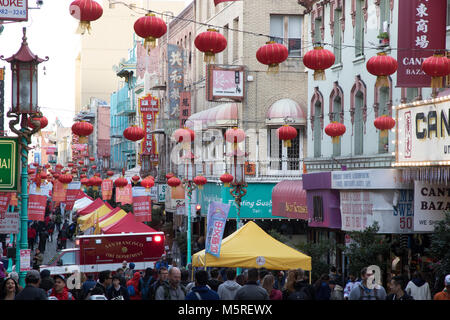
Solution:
(214, 282)
(201, 291)
(104, 281)
(323, 291)
(88, 285)
(251, 290)
(397, 286)
(43, 236)
(303, 290)
(32, 290)
(47, 282)
(116, 291)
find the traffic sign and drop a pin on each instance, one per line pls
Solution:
(9, 164)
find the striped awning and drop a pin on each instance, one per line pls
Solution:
(285, 111)
(223, 115)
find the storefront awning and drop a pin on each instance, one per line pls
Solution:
(285, 109)
(289, 200)
(225, 114)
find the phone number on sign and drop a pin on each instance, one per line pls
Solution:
(14, 12)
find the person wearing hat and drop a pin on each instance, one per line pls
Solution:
(444, 294)
(32, 290)
(60, 290)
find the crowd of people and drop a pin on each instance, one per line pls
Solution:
(172, 283)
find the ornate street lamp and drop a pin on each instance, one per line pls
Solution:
(24, 67)
(189, 186)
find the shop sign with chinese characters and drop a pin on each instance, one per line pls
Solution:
(149, 110)
(176, 79)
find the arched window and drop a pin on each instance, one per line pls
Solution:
(383, 106)
(358, 114)
(336, 112)
(317, 121)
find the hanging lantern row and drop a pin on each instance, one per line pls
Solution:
(121, 182)
(150, 28)
(382, 66)
(272, 54)
(210, 43)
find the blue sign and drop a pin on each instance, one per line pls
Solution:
(217, 218)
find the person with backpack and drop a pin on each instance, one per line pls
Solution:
(323, 291)
(201, 291)
(302, 289)
(163, 274)
(337, 292)
(60, 290)
(116, 291)
(88, 285)
(146, 282)
(171, 290)
(133, 286)
(251, 290)
(365, 290)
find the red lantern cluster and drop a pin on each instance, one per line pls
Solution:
(174, 182)
(272, 54)
(319, 59)
(226, 178)
(84, 181)
(134, 133)
(437, 66)
(210, 43)
(384, 124)
(82, 129)
(147, 183)
(335, 130)
(286, 133)
(382, 66)
(121, 182)
(150, 28)
(200, 181)
(43, 120)
(85, 11)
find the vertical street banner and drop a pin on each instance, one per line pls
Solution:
(36, 207)
(107, 189)
(142, 204)
(25, 260)
(59, 193)
(149, 110)
(176, 78)
(5, 198)
(124, 195)
(185, 107)
(421, 31)
(216, 220)
(72, 192)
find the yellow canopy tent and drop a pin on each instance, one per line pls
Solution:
(119, 215)
(88, 221)
(251, 247)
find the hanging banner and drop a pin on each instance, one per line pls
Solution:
(36, 207)
(43, 190)
(25, 260)
(72, 193)
(11, 223)
(59, 193)
(217, 218)
(124, 195)
(5, 198)
(149, 109)
(421, 30)
(107, 189)
(431, 201)
(142, 204)
(176, 80)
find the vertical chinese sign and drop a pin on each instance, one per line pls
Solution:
(175, 83)
(421, 32)
(185, 107)
(216, 220)
(149, 110)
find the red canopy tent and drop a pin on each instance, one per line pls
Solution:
(94, 206)
(127, 224)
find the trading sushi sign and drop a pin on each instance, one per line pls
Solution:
(14, 10)
(9, 164)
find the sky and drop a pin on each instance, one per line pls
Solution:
(50, 32)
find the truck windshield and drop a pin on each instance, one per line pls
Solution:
(68, 258)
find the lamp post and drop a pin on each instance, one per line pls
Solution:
(189, 187)
(24, 67)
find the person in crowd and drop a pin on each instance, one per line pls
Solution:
(60, 290)
(103, 282)
(241, 279)
(184, 277)
(43, 236)
(261, 274)
(47, 282)
(171, 290)
(323, 291)
(228, 289)
(397, 286)
(251, 290)
(163, 274)
(129, 272)
(444, 294)
(214, 281)
(116, 291)
(302, 289)
(31, 237)
(121, 273)
(14, 275)
(365, 291)
(62, 238)
(146, 282)
(201, 291)
(333, 273)
(50, 229)
(162, 263)
(38, 259)
(340, 278)
(337, 292)
(32, 290)
(88, 285)
(9, 289)
(267, 283)
(279, 280)
(418, 288)
(349, 286)
(288, 288)
(58, 221)
(134, 288)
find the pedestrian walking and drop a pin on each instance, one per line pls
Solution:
(349, 286)
(162, 262)
(50, 229)
(397, 286)
(171, 290)
(38, 259)
(134, 287)
(228, 289)
(323, 291)
(43, 236)
(201, 291)
(418, 288)
(267, 283)
(444, 294)
(361, 290)
(62, 238)
(121, 273)
(58, 221)
(60, 290)
(214, 281)
(163, 274)
(31, 237)
(47, 281)
(32, 290)
(251, 290)
(117, 291)
(184, 277)
(9, 289)
(146, 282)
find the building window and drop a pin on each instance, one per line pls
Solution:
(337, 110)
(318, 208)
(285, 159)
(317, 130)
(383, 109)
(337, 40)
(225, 52)
(385, 15)
(359, 123)
(287, 30)
(412, 94)
(317, 31)
(235, 39)
(359, 29)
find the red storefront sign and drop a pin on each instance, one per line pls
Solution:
(5, 198)
(107, 189)
(36, 207)
(421, 31)
(124, 195)
(142, 208)
(289, 200)
(149, 109)
(185, 107)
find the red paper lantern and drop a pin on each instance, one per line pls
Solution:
(382, 66)
(174, 182)
(150, 28)
(74, 171)
(210, 42)
(226, 178)
(84, 181)
(121, 182)
(97, 174)
(47, 166)
(272, 54)
(43, 175)
(81, 162)
(437, 66)
(91, 159)
(200, 181)
(43, 120)
(147, 183)
(286, 133)
(384, 124)
(83, 175)
(94, 167)
(85, 11)
(95, 182)
(65, 179)
(70, 164)
(235, 135)
(84, 169)
(169, 175)
(335, 130)
(82, 129)
(319, 59)
(110, 173)
(134, 133)
(31, 171)
(136, 179)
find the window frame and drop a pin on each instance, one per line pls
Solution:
(285, 39)
(285, 162)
